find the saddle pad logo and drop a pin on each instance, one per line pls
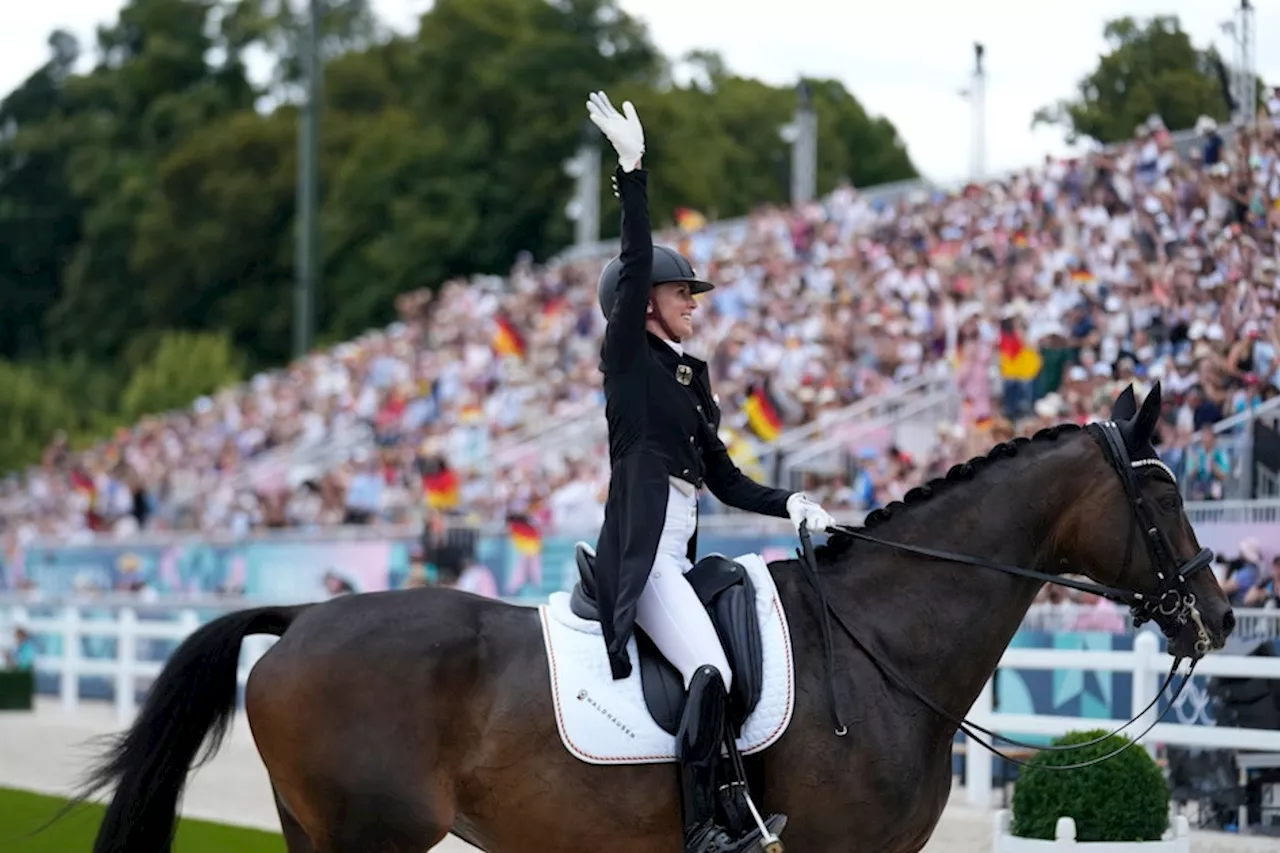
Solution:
(583, 696)
(684, 374)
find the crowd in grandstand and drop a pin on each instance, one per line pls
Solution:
(1042, 294)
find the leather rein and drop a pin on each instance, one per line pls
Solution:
(1171, 607)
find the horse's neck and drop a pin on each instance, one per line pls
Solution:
(943, 625)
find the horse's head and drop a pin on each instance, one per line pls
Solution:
(1131, 532)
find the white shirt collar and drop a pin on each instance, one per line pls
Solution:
(674, 345)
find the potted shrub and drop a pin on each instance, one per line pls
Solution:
(17, 689)
(1118, 804)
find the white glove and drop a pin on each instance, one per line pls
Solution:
(625, 133)
(800, 508)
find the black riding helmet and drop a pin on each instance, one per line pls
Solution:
(668, 265)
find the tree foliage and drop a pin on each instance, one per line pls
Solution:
(1150, 68)
(182, 367)
(156, 190)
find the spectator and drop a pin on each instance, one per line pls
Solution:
(1207, 468)
(23, 655)
(1071, 279)
(1099, 614)
(448, 548)
(336, 585)
(1243, 572)
(1266, 592)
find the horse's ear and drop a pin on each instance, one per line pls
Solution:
(1125, 406)
(1144, 426)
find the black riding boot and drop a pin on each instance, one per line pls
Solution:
(698, 751)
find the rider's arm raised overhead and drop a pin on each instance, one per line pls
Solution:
(624, 334)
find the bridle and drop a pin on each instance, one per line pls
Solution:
(1170, 607)
(1173, 604)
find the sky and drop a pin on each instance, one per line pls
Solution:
(907, 60)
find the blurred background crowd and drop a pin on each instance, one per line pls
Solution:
(1040, 294)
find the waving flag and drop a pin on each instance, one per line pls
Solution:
(442, 489)
(761, 414)
(525, 537)
(507, 340)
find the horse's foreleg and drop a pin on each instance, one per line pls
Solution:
(295, 837)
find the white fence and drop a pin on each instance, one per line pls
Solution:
(125, 669)
(1146, 662)
(1149, 666)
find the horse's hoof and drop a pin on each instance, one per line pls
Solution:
(774, 846)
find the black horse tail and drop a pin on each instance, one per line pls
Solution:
(193, 700)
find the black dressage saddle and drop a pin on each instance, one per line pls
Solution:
(725, 590)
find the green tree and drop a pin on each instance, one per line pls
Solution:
(212, 245)
(40, 219)
(41, 399)
(184, 366)
(715, 144)
(154, 89)
(30, 414)
(156, 192)
(509, 78)
(1151, 68)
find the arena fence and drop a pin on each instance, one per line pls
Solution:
(141, 637)
(1148, 665)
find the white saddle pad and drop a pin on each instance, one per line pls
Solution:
(603, 721)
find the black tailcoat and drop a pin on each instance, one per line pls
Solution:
(663, 422)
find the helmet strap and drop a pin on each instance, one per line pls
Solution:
(653, 301)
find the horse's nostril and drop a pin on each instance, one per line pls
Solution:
(1228, 622)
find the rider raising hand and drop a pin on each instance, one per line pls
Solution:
(663, 448)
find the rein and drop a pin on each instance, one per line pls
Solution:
(1172, 602)
(970, 729)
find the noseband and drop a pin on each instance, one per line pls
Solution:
(1170, 607)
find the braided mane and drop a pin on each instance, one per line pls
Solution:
(838, 543)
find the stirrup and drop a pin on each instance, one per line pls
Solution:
(711, 838)
(766, 828)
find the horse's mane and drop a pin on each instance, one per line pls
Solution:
(838, 543)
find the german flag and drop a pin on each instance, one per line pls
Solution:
(689, 220)
(507, 341)
(761, 414)
(442, 489)
(1081, 276)
(83, 483)
(524, 536)
(1017, 360)
(742, 453)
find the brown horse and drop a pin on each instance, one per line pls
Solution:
(387, 721)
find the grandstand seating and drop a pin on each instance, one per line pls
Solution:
(1030, 298)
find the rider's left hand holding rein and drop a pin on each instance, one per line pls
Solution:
(802, 509)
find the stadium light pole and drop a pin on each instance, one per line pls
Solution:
(1244, 77)
(584, 207)
(307, 275)
(802, 135)
(978, 115)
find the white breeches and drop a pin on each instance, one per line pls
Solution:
(669, 610)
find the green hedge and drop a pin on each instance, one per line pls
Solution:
(1124, 798)
(17, 690)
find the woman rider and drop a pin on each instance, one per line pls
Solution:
(663, 447)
